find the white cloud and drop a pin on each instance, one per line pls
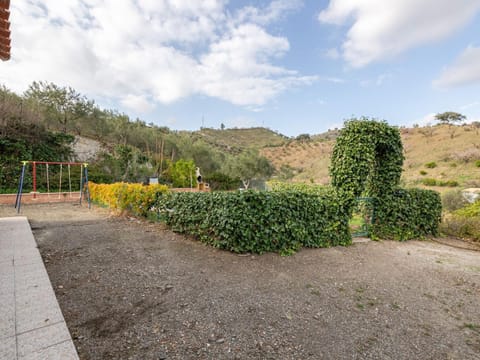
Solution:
(237, 67)
(137, 103)
(273, 12)
(334, 80)
(464, 71)
(160, 50)
(380, 29)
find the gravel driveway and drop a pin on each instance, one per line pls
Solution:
(134, 290)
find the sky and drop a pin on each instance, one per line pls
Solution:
(290, 65)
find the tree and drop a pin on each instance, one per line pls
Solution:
(62, 104)
(303, 138)
(182, 174)
(248, 166)
(450, 117)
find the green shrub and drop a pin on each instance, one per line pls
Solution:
(407, 213)
(138, 199)
(449, 183)
(431, 165)
(453, 200)
(461, 227)
(300, 187)
(423, 172)
(477, 163)
(471, 210)
(221, 181)
(257, 222)
(429, 182)
(435, 182)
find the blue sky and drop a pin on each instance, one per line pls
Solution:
(293, 66)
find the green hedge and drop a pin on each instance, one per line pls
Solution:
(314, 189)
(257, 222)
(407, 214)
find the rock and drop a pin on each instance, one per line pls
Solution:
(211, 338)
(471, 195)
(220, 341)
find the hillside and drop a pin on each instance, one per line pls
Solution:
(446, 154)
(443, 153)
(50, 123)
(235, 140)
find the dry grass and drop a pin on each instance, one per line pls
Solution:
(236, 139)
(453, 149)
(311, 159)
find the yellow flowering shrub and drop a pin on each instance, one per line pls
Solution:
(136, 198)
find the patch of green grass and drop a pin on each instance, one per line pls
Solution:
(395, 305)
(360, 290)
(474, 268)
(471, 326)
(356, 221)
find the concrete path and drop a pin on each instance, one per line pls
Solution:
(31, 322)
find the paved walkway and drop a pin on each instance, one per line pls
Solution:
(31, 322)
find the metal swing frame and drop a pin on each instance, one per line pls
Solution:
(84, 189)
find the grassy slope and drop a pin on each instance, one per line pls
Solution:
(234, 140)
(443, 145)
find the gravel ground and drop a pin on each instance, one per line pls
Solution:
(133, 290)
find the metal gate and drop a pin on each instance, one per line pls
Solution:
(363, 216)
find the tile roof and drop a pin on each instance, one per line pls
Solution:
(4, 30)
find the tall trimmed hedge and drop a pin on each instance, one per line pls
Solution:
(367, 161)
(258, 222)
(407, 214)
(367, 158)
(316, 189)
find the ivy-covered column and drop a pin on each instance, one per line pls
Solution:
(367, 160)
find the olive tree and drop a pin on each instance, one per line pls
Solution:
(450, 117)
(249, 165)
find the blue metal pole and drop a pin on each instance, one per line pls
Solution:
(87, 190)
(18, 200)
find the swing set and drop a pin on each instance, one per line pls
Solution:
(51, 178)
